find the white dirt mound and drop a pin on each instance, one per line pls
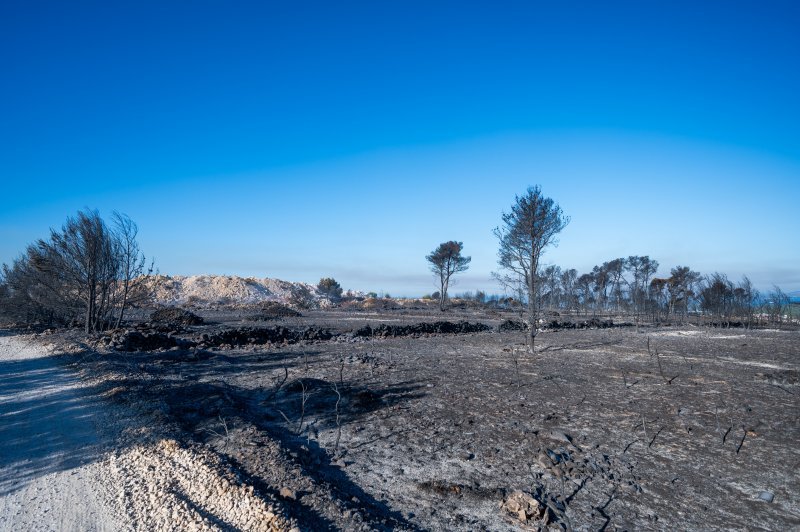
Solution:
(209, 290)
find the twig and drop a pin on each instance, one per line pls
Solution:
(279, 386)
(338, 421)
(303, 399)
(629, 446)
(654, 437)
(645, 429)
(742, 442)
(725, 436)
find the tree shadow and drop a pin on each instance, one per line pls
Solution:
(47, 423)
(205, 395)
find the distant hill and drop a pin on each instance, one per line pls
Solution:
(213, 290)
(795, 296)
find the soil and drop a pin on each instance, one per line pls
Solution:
(455, 427)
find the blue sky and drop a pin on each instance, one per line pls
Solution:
(298, 140)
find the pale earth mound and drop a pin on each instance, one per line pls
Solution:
(209, 290)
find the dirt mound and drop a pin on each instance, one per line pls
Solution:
(418, 329)
(264, 335)
(593, 323)
(274, 311)
(216, 290)
(513, 325)
(133, 340)
(556, 325)
(175, 316)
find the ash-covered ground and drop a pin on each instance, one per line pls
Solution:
(406, 424)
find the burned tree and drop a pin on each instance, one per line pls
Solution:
(85, 273)
(445, 261)
(526, 231)
(132, 275)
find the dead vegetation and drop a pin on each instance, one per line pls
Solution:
(428, 426)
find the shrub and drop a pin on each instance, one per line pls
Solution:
(329, 288)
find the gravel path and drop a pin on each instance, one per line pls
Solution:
(50, 441)
(72, 461)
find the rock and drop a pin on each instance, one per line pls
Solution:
(523, 507)
(287, 493)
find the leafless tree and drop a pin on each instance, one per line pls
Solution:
(527, 230)
(86, 271)
(445, 261)
(778, 302)
(132, 286)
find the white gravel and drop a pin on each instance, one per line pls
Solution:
(49, 445)
(69, 461)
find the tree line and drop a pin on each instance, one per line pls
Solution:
(627, 285)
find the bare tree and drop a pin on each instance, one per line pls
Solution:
(131, 280)
(84, 271)
(445, 261)
(527, 230)
(778, 303)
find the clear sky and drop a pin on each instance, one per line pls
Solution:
(347, 139)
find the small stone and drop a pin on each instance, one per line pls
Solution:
(287, 493)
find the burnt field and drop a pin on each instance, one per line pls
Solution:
(387, 420)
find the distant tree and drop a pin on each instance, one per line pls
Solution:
(745, 297)
(615, 270)
(330, 288)
(642, 269)
(585, 291)
(601, 282)
(680, 287)
(716, 296)
(527, 230)
(446, 261)
(550, 283)
(777, 304)
(569, 289)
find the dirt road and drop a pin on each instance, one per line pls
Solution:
(50, 442)
(72, 461)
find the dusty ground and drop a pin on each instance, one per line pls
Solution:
(71, 459)
(466, 431)
(49, 439)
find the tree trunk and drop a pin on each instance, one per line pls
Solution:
(532, 309)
